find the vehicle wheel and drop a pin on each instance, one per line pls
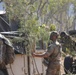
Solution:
(68, 64)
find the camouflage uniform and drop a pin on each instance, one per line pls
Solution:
(54, 59)
(53, 54)
(67, 43)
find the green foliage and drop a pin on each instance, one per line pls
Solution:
(43, 33)
(33, 13)
(52, 27)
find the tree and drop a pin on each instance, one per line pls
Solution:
(35, 13)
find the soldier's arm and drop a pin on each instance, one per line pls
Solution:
(40, 55)
(45, 54)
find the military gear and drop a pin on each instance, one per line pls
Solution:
(6, 52)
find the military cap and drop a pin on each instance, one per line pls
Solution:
(54, 33)
(63, 34)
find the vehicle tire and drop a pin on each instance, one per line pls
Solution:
(68, 64)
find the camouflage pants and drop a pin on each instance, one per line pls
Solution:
(53, 68)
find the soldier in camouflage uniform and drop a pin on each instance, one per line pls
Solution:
(67, 42)
(54, 55)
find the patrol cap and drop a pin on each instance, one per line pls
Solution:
(63, 33)
(54, 33)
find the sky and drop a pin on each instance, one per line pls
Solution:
(2, 8)
(71, 10)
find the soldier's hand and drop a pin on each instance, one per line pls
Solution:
(33, 54)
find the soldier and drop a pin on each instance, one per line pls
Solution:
(67, 42)
(53, 54)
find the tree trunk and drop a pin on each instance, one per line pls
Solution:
(74, 21)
